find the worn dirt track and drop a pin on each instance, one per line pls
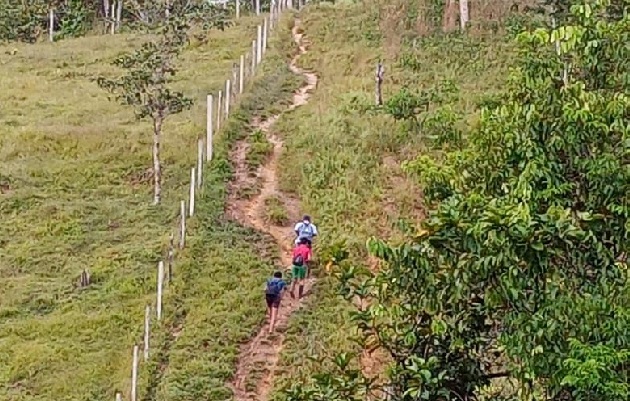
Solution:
(259, 357)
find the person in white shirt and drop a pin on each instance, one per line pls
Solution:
(305, 229)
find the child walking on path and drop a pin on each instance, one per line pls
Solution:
(301, 258)
(273, 295)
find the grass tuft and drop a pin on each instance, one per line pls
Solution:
(259, 150)
(276, 212)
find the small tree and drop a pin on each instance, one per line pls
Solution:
(150, 69)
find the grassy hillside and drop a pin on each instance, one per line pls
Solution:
(73, 174)
(343, 159)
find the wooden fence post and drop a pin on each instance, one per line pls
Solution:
(199, 162)
(191, 212)
(160, 286)
(170, 257)
(380, 70)
(565, 73)
(209, 127)
(51, 25)
(112, 27)
(241, 75)
(254, 47)
(258, 44)
(238, 8)
(147, 323)
(119, 13)
(220, 100)
(234, 81)
(264, 36)
(182, 232)
(257, 7)
(227, 99)
(118, 397)
(134, 375)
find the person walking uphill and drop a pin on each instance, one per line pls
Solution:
(301, 258)
(273, 295)
(305, 229)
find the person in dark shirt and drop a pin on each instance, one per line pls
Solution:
(273, 295)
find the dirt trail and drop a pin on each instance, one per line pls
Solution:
(259, 358)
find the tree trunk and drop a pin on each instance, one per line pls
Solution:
(448, 18)
(157, 166)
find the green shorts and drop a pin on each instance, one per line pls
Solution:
(298, 272)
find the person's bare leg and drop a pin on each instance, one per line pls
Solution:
(292, 289)
(274, 314)
(300, 288)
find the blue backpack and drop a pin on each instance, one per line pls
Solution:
(274, 286)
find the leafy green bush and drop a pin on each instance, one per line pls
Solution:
(596, 372)
(24, 21)
(29, 21)
(520, 271)
(76, 20)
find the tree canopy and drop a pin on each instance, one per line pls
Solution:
(28, 21)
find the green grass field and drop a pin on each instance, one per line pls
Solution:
(348, 173)
(74, 195)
